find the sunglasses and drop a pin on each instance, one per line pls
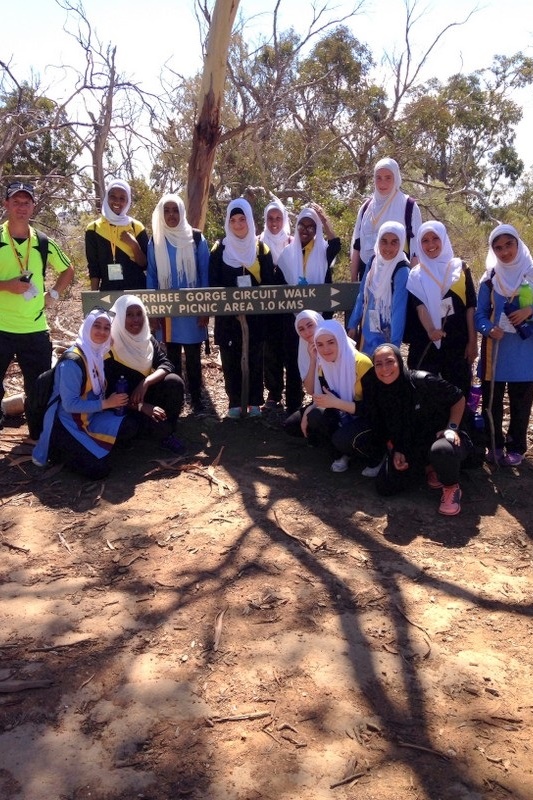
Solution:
(101, 310)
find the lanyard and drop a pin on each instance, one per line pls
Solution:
(376, 219)
(440, 284)
(23, 266)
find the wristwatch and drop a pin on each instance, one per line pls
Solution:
(452, 426)
(54, 294)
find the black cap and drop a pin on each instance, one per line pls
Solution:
(18, 186)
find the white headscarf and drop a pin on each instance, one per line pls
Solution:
(179, 237)
(303, 350)
(276, 242)
(291, 260)
(431, 279)
(508, 277)
(240, 253)
(117, 219)
(341, 373)
(379, 278)
(133, 350)
(381, 208)
(94, 353)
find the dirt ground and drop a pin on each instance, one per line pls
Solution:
(243, 624)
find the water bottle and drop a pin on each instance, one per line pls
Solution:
(121, 387)
(474, 397)
(523, 329)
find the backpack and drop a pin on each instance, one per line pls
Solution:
(40, 399)
(409, 205)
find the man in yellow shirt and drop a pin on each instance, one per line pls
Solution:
(24, 255)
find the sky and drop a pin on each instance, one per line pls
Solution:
(150, 33)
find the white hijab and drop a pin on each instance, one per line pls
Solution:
(133, 350)
(94, 353)
(276, 242)
(379, 278)
(240, 253)
(303, 351)
(431, 279)
(117, 219)
(508, 277)
(381, 208)
(180, 238)
(291, 260)
(341, 373)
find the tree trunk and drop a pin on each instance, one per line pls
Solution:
(206, 134)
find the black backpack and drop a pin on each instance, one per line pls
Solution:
(40, 399)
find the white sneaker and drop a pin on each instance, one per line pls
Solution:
(370, 472)
(341, 464)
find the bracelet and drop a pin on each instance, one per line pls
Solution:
(140, 406)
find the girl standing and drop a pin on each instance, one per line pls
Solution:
(239, 259)
(503, 317)
(178, 258)
(388, 202)
(308, 259)
(276, 236)
(442, 337)
(381, 304)
(116, 244)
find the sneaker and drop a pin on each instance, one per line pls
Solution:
(511, 460)
(37, 463)
(494, 456)
(199, 409)
(371, 472)
(234, 413)
(273, 405)
(341, 464)
(450, 502)
(173, 443)
(432, 479)
(254, 411)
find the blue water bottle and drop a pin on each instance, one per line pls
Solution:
(121, 387)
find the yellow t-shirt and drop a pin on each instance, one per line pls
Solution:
(17, 314)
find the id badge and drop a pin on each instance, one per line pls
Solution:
(114, 272)
(505, 324)
(244, 281)
(374, 321)
(446, 307)
(31, 292)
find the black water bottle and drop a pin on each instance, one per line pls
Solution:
(121, 387)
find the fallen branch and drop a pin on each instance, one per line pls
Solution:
(218, 628)
(410, 621)
(87, 681)
(16, 547)
(349, 779)
(422, 748)
(6, 687)
(64, 542)
(288, 533)
(240, 717)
